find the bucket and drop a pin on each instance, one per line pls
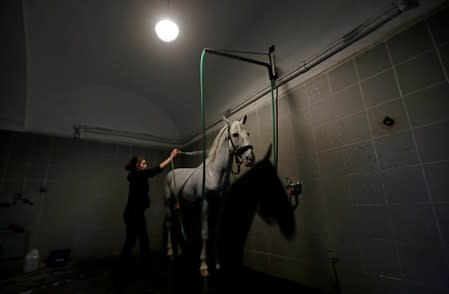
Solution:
(31, 262)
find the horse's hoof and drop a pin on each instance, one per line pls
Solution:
(204, 273)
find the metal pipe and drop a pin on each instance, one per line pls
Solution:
(348, 39)
(121, 133)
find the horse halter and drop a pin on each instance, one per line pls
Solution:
(237, 152)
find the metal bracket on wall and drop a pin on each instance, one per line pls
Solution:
(270, 65)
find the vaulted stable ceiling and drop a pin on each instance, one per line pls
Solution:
(99, 63)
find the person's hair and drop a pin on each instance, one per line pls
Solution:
(132, 163)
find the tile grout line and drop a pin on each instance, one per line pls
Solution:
(379, 169)
(420, 162)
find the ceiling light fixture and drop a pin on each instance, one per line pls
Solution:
(166, 30)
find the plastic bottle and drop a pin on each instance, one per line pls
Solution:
(31, 262)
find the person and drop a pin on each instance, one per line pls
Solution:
(134, 215)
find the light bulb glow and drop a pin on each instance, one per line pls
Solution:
(166, 30)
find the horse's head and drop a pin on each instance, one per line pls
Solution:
(239, 142)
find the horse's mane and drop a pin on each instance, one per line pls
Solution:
(216, 143)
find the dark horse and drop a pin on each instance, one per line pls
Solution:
(258, 190)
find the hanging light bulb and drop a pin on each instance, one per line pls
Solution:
(166, 30)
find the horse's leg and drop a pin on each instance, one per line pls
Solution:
(168, 221)
(204, 236)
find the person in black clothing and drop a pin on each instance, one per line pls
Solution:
(134, 215)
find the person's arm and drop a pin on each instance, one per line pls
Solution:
(166, 162)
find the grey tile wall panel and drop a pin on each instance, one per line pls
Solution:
(37, 169)
(433, 142)
(442, 211)
(394, 110)
(299, 107)
(359, 158)
(379, 257)
(342, 76)
(259, 242)
(424, 266)
(415, 224)
(322, 112)
(287, 168)
(285, 133)
(307, 167)
(255, 260)
(123, 152)
(438, 179)
(264, 122)
(353, 128)
(335, 191)
(5, 147)
(372, 222)
(331, 162)
(365, 189)
(348, 101)
(348, 257)
(40, 147)
(405, 185)
(396, 150)
(439, 23)
(298, 98)
(444, 53)
(11, 187)
(428, 106)
(15, 169)
(352, 282)
(326, 137)
(20, 147)
(312, 200)
(390, 284)
(298, 104)
(300, 115)
(419, 72)
(372, 61)
(410, 43)
(380, 88)
(317, 90)
(303, 137)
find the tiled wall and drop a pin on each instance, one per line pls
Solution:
(377, 195)
(86, 194)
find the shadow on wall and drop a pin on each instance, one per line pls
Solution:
(261, 190)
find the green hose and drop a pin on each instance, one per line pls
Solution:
(275, 124)
(203, 124)
(203, 133)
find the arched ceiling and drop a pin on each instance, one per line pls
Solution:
(82, 56)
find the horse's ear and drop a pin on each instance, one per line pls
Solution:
(243, 119)
(226, 121)
(268, 154)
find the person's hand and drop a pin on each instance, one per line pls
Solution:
(174, 153)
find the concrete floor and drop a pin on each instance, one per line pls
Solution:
(168, 278)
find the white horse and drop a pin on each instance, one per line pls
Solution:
(185, 184)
